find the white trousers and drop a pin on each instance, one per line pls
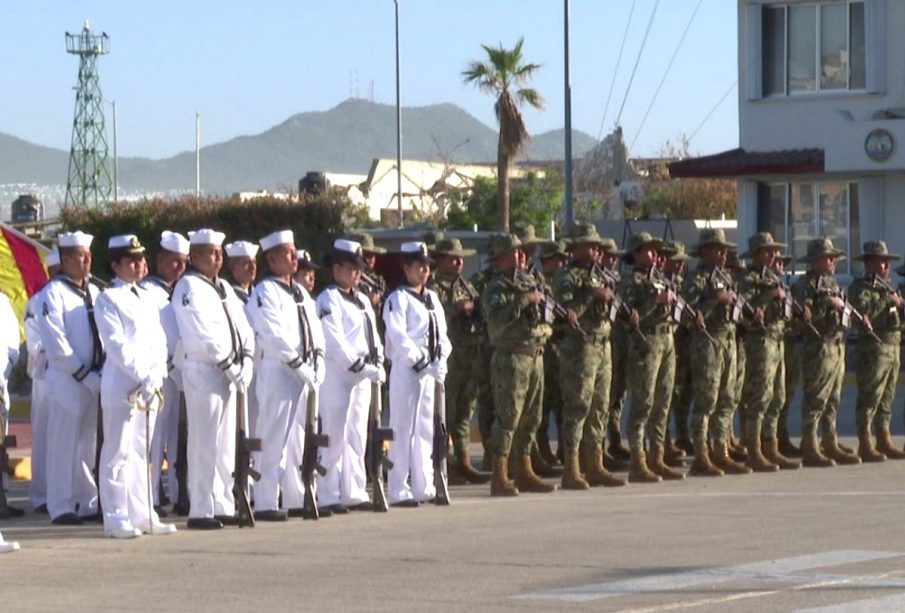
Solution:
(71, 441)
(210, 401)
(166, 428)
(412, 421)
(344, 404)
(124, 462)
(39, 428)
(278, 392)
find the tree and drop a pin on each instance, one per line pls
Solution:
(503, 71)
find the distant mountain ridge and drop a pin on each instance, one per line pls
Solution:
(343, 139)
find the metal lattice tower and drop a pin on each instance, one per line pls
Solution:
(90, 182)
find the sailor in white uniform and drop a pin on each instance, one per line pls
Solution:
(307, 270)
(9, 356)
(37, 370)
(218, 346)
(354, 361)
(241, 260)
(131, 392)
(170, 263)
(418, 347)
(290, 344)
(75, 357)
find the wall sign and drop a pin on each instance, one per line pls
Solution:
(879, 145)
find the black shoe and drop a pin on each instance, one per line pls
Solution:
(67, 519)
(274, 515)
(406, 504)
(160, 511)
(204, 523)
(297, 512)
(228, 520)
(96, 518)
(323, 511)
(363, 506)
(339, 509)
(180, 510)
(10, 512)
(41, 509)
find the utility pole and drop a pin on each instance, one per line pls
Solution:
(570, 215)
(197, 154)
(398, 127)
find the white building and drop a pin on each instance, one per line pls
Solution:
(821, 123)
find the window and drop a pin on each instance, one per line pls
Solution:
(813, 47)
(795, 213)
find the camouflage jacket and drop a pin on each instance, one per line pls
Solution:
(875, 301)
(513, 323)
(700, 290)
(452, 291)
(824, 316)
(640, 293)
(759, 293)
(573, 288)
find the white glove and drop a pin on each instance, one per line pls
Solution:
(435, 370)
(149, 389)
(93, 382)
(247, 373)
(374, 373)
(306, 375)
(320, 371)
(234, 374)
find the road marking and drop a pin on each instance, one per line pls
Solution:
(896, 602)
(782, 570)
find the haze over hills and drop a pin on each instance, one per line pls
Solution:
(343, 139)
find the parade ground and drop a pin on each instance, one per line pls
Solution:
(812, 539)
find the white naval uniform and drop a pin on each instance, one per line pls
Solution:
(415, 340)
(251, 399)
(350, 333)
(288, 334)
(211, 342)
(9, 355)
(166, 428)
(37, 370)
(136, 347)
(69, 342)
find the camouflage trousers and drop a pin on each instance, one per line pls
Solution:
(822, 379)
(680, 405)
(650, 381)
(876, 371)
(741, 360)
(791, 378)
(518, 390)
(484, 394)
(461, 386)
(585, 379)
(764, 384)
(552, 404)
(618, 350)
(713, 379)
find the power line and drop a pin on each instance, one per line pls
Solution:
(616, 70)
(713, 110)
(637, 60)
(665, 74)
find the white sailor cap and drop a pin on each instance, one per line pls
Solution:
(239, 249)
(52, 258)
(175, 242)
(75, 239)
(280, 237)
(305, 259)
(415, 250)
(345, 250)
(128, 243)
(206, 236)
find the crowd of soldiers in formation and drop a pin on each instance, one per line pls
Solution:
(256, 389)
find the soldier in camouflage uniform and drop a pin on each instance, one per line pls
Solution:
(518, 332)
(483, 389)
(651, 356)
(736, 268)
(680, 403)
(584, 361)
(616, 453)
(792, 374)
(824, 355)
(876, 362)
(713, 370)
(763, 344)
(466, 330)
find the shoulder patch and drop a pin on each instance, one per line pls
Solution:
(44, 309)
(324, 312)
(260, 302)
(186, 298)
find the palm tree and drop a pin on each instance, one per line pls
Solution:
(504, 70)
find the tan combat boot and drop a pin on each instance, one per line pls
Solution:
(756, 460)
(810, 452)
(866, 450)
(657, 466)
(571, 475)
(527, 481)
(702, 467)
(771, 452)
(500, 485)
(885, 446)
(722, 461)
(786, 446)
(467, 470)
(638, 472)
(832, 450)
(596, 474)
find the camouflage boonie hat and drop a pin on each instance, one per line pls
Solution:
(552, 248)
(636, 241)
(502, 243)
(876, 249)
(820, 247)
(526, 234)
(432, 237)
(584, 232)
(366, 241)
(711, 236)
(761, 240)
(610, 247)
(677, 251)
(453, 247)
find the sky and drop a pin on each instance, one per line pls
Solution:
(246, 66)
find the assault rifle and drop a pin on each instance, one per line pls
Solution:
(314, 440)
(441, 446)
(680, 306)
(618, 308)
(182, 464)
(474, 319)
(378, 436)
(790, 307)
(849, 312)
(884, 284)
(244, 470)
(552, 309)
(740, 305)
(373, 284)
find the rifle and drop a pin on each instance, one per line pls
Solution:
(681, 307)
(244, 447)
(6, 441)
(441, 446)
(885, 285)
(617, 305)
(474, 319)
(740, 305)
(314, 439)
(790, 307)
(552, 309)
(373, 284)
(182, 465)
(849, 312)
(378, 435)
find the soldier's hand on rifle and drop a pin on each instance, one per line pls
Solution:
(867, 323)
(572, 316)
(779, 294)
(837, 302)
(375, 299)
(534, 297)
(699, 319)
(466, 306)
(603, 294)
(806, 313)
(723, 297)
(664, 298)
(759, 315)
(634, 318)
(897, 299)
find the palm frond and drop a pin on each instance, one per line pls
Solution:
(531, 97)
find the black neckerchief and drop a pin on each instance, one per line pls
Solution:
(97, 350)
(162, 285)
(351, 295)
(235, 354)
(433, 331)
(298, 296)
